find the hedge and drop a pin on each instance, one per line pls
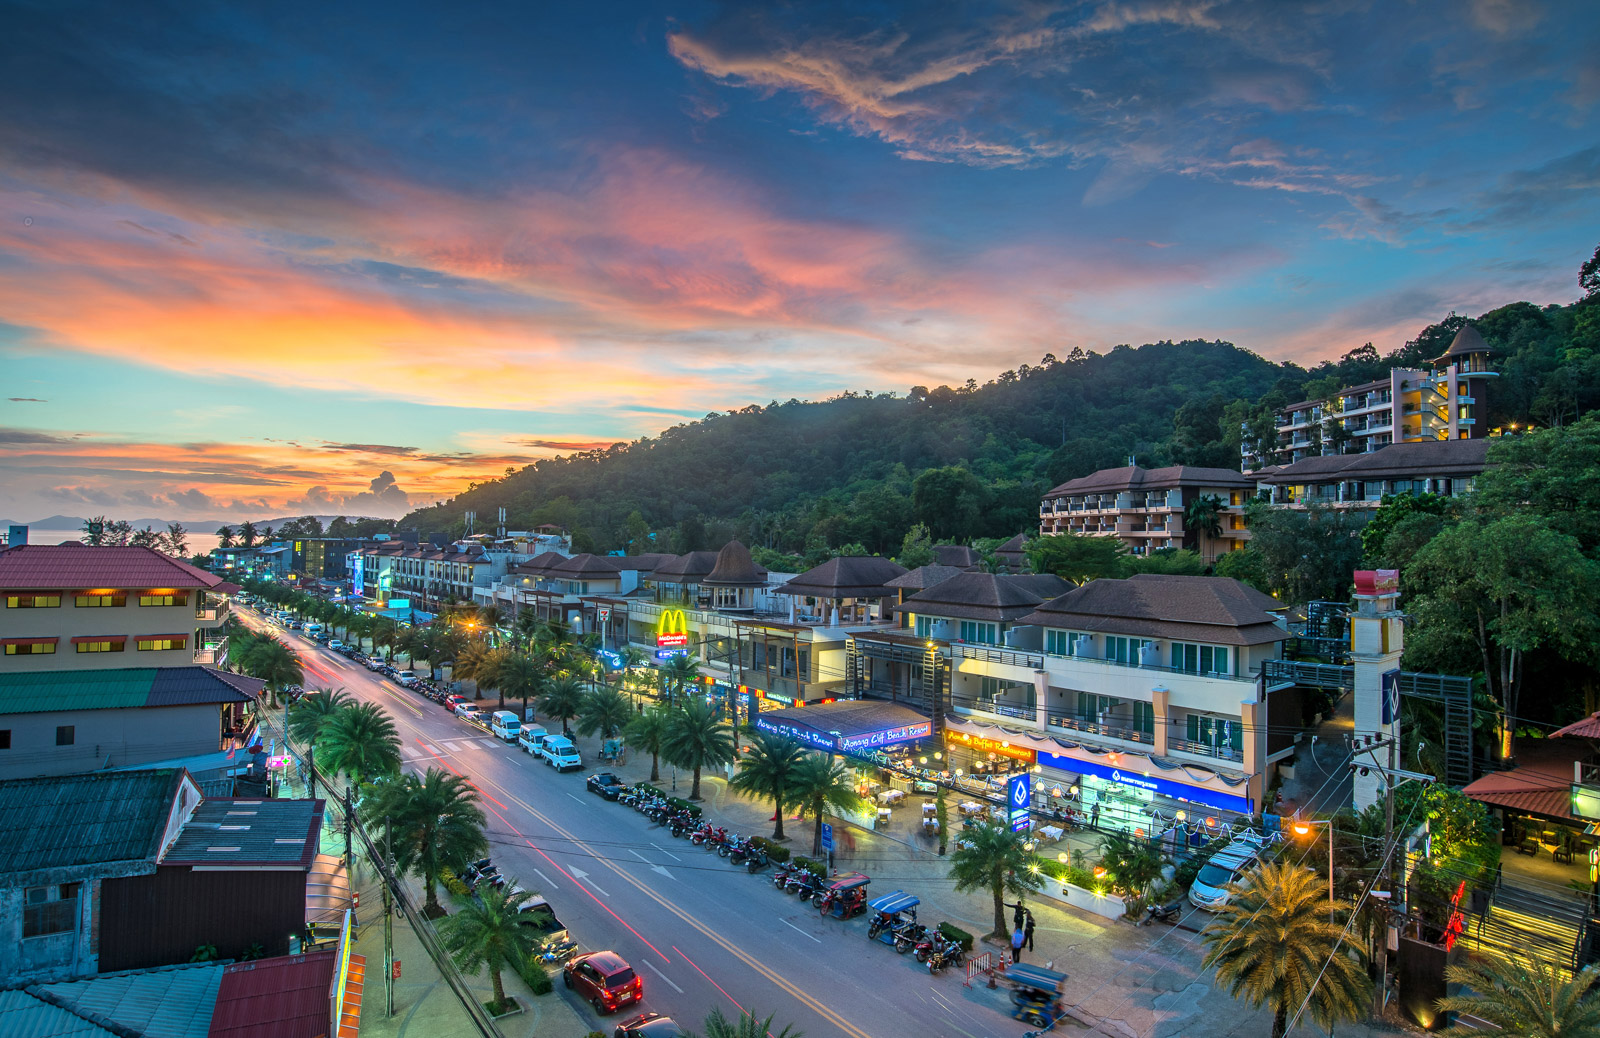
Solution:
(776, 851)
(816, 868)
(533, 974)
(955, 933)
(449, 881)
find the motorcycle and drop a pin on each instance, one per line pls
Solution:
(780, 878)
(1169, 913)
(553, 952)
(741, 851)
(701, 834)
(910, 936)
(726, 845)
(473, 868)
(757, 860)
(945, 953)
(803, 884)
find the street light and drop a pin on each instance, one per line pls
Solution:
(1304, 829)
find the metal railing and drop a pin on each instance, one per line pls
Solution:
(1201, 749)
(993, 654)
(1107, 731)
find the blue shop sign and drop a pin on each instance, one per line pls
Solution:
(1152, 783)
(610, 658)
(886, 737)
(1019, 797)
(804, 736)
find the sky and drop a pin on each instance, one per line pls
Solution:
(258, 259)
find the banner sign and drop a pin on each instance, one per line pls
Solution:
(804, 736)
(1019, 795)
(1151, 783)
(886, 737)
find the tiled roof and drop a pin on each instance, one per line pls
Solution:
(644, 563)
(1427, 459)
(541, 563)
(924, 577)
(735, 568)
(958, 555)
(973, 596)
(1217, 610)
(24, 1016)
(848, 576)
(1132, 477)
(1045, 585)
(70, 566)
(231, 831)
(1588, 728)
(585, 566)
(686, 569)
(1014, 546)
(48, 691)
(168, 1002)
(1467, 340)
(285, 997)
(72, 820)
(1541, 783)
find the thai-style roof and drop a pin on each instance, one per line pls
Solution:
(1132, 477)
(1467, 341)
(960, 556)
(974, 596)
(1045, 585)
(585, 566)
(1424, 459)
(686, 569)
(541, 564)
(735, 568)
(848, 576)
(1209, 610)
(924, 577)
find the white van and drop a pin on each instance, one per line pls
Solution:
(504, 725)
(313, 630)
(559, 752)
(530, 737)
(1226, 868)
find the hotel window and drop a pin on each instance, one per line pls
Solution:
(101, 646)
(33, 601)
(164, 600)
(1200, 659)
(1124, 650)
(1096, 710)
(100, 601)
(32, 649)
(50, 910)
(160, 644)
(979, 633)
(1216, 732)
(1067, 643)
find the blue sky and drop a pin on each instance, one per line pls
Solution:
(254, 257)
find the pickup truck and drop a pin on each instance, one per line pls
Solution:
(559, 753)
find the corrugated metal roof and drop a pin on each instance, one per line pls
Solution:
(231, 831)
(68, 820)
(23, 1016)
(72, 566)
(1552, 803)
(285, 997)
(50, 691)
(187, 686)
(170, 1002)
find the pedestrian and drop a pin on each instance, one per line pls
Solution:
(1016, 944)
(1027, 930)
(1016, 914)
(1094, 816)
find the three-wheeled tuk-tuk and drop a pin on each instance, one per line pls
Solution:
(891, 913)
(843, 897)
(1035, 994)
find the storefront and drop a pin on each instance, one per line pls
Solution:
(853, 726)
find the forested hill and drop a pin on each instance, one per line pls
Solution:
(855, 472)
(789, 475)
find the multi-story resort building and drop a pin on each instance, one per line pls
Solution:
(1145, 508)
(1447, 402)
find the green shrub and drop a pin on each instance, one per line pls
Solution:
(679, 804)
(955, 933)
(449, 881)
(533, 974)
(818, 869)
(647, 789)
(776, 851)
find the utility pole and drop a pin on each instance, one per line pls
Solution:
(1393, 778)
(349, 823)
(388, 919)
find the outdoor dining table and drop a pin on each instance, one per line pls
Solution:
(891, 796)
(968, 807)
(1053, 832)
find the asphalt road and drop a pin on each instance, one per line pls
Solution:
(701, 932)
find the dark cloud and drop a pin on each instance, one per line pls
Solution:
(368, 448)
(570, 445)
(20, 436)
(383, 497)
(26, 400)
(1535, 195)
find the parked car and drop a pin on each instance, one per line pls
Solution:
(1212, 887)
(466, 710)
(648, 1025)
(606, 784)
(407, 679)
(605, 979)
(336, 645)
(453, 700)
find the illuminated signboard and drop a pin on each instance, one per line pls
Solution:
(1019, 794)
(805, 736)
(399, 603)
(886, 737)
(358, 574)
(672, 630)
(667, 654)
(978, 744)
(1151, 783)
(610, 658)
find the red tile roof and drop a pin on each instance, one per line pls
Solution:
(1551, 803)
(70, 566)
(1588, 728)
(1541, 783)
(285, 997)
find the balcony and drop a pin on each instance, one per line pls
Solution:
(1104, 731)
(996, 654)
(213, 612)
(1201, 749)
(212, 654)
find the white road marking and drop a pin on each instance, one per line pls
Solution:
(453, 747)
(430, 749)
(547, 880)
(796, 929)
(577, 798)
(579, 874)
(668, 853)
(663, 976)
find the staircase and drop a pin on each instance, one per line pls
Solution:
(1525, 926)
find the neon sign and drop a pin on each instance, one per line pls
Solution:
(994, 746)
(1019, 795)
(800, 735)
(886, 737)
(672, 630)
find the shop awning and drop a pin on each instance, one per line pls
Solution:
(28, 641)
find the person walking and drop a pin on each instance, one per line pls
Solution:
(1016, 915)
(1016, 944)
(1027, 930)
(1094, 816)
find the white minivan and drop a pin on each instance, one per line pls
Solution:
(1226, 868)
(530, 737)
(504, 725)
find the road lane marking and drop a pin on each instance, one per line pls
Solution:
(547, 880)
(577, 798)
(714, 984)
(431, 751)
(797, 930)
(663, 976)
(668, 853)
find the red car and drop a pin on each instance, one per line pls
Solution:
(603, 978)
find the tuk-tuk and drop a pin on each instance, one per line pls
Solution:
(1036, 994)
(843, 897)
(891, 911)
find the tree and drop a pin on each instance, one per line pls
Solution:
(309, 717)
(361, 741)
(821, 782)
(562, 699)
(1246, 566)
(916, 550)
(1078, 558)
(604, 710)
(94, 531)
(1274, 945)
(995, 860)
(491, 933)
(1518, 998)
(697, 737)
(148, 538)
(1179, 561)
(224, 537)
(646, 733)
(768, 770)
(1394, 512)
(1503, 588)
(1202, 517)
(949, 501)
(521, 674)
(1552, 473)
(275, 663)
(247, 534)
(748, 1025)
(1307, 554)
(679, 673)
(436, 821)
(1132, 864)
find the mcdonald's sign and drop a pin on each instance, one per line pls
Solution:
(672, 630)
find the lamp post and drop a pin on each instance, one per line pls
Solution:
(1304, 829)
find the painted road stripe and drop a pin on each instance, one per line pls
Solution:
(668, 853)
(663, 976)
(547, 880)
(797, 930)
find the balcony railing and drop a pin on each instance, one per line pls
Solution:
(1160, 668)
(992, 654)
(1106, 731)
(212, 655)
(214, 612)
(1201, 749)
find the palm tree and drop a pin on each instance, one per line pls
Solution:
(361, 741)
(490, 673)
(995, 860)
(316, 708)
(697, 737)
(437, 824)
(384, 631)
(603, 710)
(1272, 941)
(468, 660)
(562, 699)
(821, 782)
(224, 537)
(1520, 999)
(679, 673)
(632, 656)
(646, 733)
(247, 534)
(768, 770)
(521, 674)
(276, 664)
(746, 1026)
(358, 625)
(492, 932)
(1203, 515)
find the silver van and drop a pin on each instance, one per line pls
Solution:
(504, 725)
